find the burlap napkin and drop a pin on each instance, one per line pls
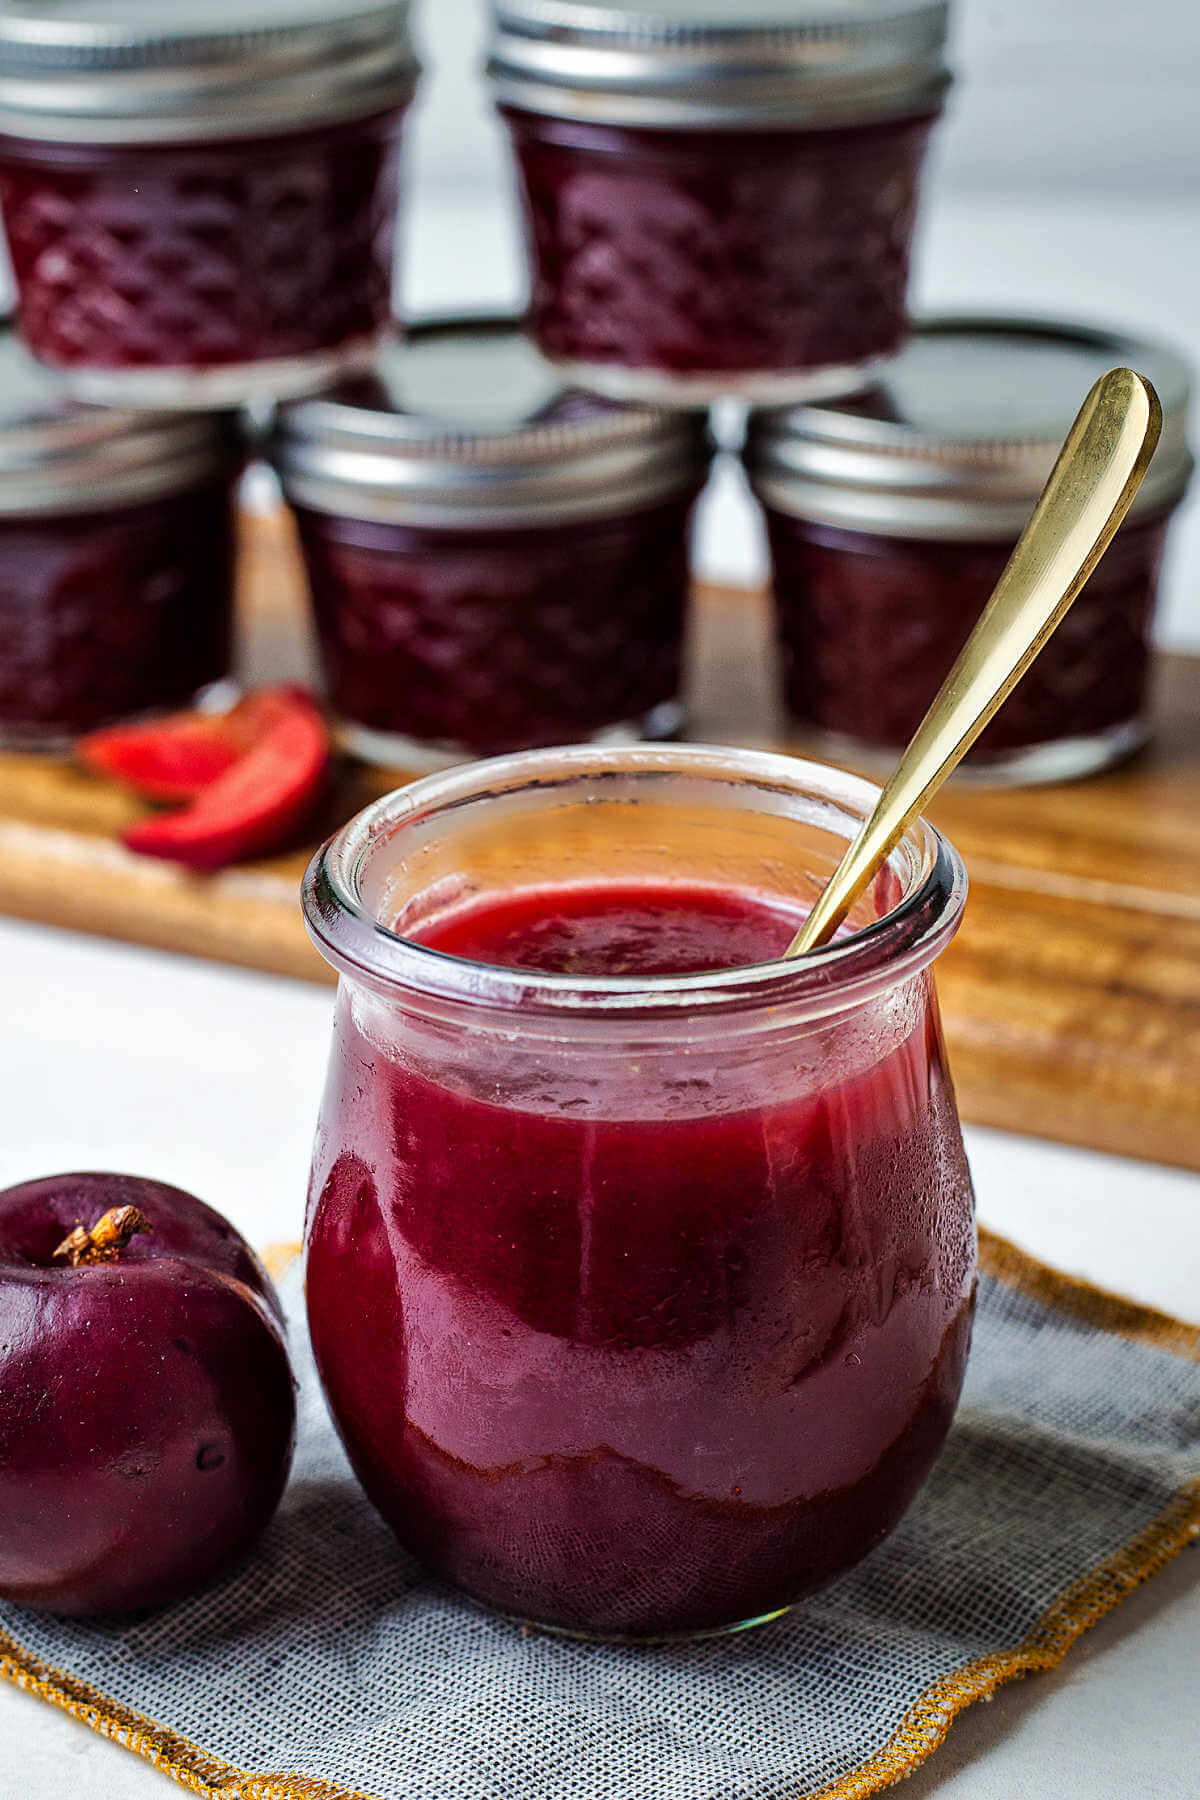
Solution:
(330, 1665)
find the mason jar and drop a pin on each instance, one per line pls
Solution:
(640, 1263)
(200, 203)
(116, 558)
(891, 516)
(496, 559)
(719, 195)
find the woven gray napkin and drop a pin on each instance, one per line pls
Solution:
(1072, 1471)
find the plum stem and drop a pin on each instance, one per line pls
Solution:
(106, 1239)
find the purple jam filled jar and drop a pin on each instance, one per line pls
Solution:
(640, 1263)
(497, 561)
(891, 516)
(719, 195)
(199, 202)
(116, 558)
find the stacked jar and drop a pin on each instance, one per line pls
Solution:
(719, 197)
(199, 213)
(891, 515)
(497, 561)
(116, 558)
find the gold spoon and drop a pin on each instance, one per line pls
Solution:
(1099, 470)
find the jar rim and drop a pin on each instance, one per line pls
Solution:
(904, 940)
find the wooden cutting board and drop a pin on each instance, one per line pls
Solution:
(1071, 997)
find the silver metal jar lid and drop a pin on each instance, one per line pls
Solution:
(724, 63)
(957, 434)
(59, 457)
(465, 424)
(155, 71)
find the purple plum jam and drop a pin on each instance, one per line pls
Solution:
(718, 253)
(203, 256)
(870, 626)
(502, 640)
(612, 1367)
(108, 614)
(632, 1323)
(116, 557)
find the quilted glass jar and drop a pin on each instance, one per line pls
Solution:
(497, 561)
(200, 209)
(719, 195)
(116, 558)
(891, 516)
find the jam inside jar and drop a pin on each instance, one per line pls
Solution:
(108, 615)
(203, 258)
(757, 262)
(484, 641)
(869, 627)
(640, 1267)
(116, 557)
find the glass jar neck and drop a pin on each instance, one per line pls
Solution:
(766, 826)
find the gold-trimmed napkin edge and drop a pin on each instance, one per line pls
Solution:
(1097, 1306)
(927, 1722)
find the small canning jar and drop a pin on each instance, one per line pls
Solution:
(200, 201)
(497, 561)
(641, 1301)
(891, 516)
(116, 558)
(719, 195)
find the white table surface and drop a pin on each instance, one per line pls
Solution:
(114, 1057)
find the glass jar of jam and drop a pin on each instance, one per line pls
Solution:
(116, 558)
(497, 561)
(719, 195)
(640, 1264)
(200, 201)
(891, 516)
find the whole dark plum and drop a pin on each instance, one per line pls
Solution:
(147, 1408)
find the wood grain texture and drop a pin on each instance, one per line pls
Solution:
(1071, 997)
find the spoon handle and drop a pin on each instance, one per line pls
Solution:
(1098, 472)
